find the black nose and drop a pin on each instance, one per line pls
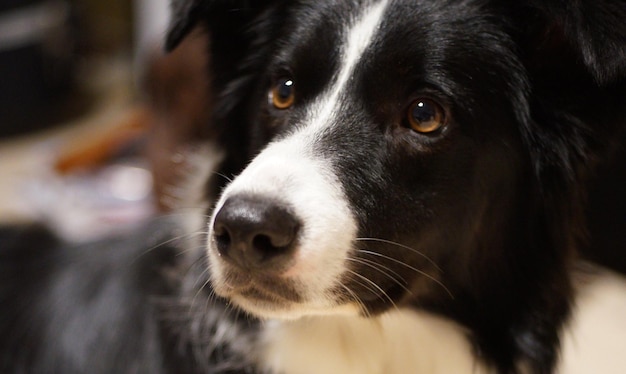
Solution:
(255, 232)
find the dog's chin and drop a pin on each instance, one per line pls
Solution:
(279, 310)
(263, 305)
(272, 298)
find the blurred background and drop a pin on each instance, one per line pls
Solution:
(86, 111)
(95, 119)
(49, 48)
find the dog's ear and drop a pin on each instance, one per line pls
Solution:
(219, 16)
(185, 14)
(594, 29)
(574, 53)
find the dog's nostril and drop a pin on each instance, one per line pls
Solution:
(271, 244)
(255, 232)
(264, 244)
(222, 238)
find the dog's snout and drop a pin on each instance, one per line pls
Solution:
(255, 232)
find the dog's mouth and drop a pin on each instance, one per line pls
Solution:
(275, 296)
(264, 295)
(270, 293)
(258, 287)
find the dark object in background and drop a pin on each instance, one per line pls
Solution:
(37, 52)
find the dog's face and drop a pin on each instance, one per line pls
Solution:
(423, 153)
(389, 142)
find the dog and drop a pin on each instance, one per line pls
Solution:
(400, 189)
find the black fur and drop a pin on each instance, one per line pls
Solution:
(536, 92)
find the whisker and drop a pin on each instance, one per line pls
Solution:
(204, 274)
(187, 211)
(356, 299)
(376, 287)
(381, 266)
(190, 249)
(383, 270)
(365, 285)
(409, 267)
(228, 179)
(193, 299)
(211, 301)
(401, 246)
(200, 276)
(169, 241)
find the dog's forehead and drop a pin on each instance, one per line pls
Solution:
(407, 36)
(382, 51)
(337, 18)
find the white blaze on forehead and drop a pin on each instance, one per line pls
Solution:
(357, 38)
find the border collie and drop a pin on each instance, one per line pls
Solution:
(407, 198)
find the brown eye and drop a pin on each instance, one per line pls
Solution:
(425, 116)
(282, 94)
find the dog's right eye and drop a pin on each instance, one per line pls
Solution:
(282, 95)
(425, 116)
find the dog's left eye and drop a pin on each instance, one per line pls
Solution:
(282, 95)
(425, 116)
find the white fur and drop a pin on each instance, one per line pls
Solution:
(399, 342)
(358, 38)
(595, 342)
(289, 171)
(406, 341)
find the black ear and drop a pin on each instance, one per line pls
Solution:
(219, 16)
(599, 29)
(574, 53)
(596, 29)
(185, 14)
